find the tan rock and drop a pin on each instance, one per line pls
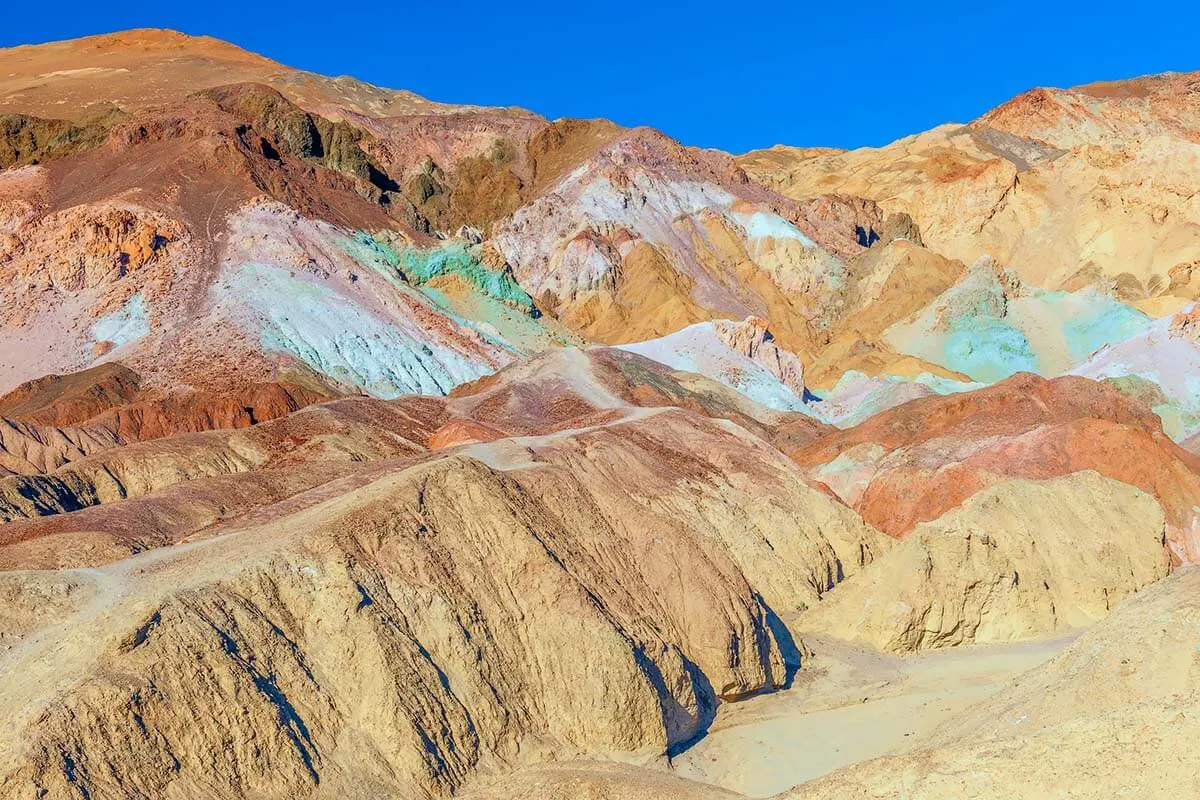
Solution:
(1019, 559)
(500, 602)
(1057, 183)
(752, 338)
(35, 449)
(593, 781)
(1115, 715)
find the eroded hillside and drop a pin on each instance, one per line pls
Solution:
(357, 445)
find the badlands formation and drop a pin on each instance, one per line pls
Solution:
(354, 445)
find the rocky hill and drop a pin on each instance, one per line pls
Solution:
(357, 445)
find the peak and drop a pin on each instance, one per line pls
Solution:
(1140, 86)
(146, 40)
(153, 37)
(154, 67)
(1037, 104)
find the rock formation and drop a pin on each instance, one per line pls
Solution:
(1017, 560)
(401, 622)
(356, 445)
(916, 461)
(743, 356)
(1070, 187)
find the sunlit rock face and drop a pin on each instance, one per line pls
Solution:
(1069, 187)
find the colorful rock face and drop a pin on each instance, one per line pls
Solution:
(1162, 364)
(355, 445)
(742, 356)
(915, 462)
(646, 225)
(990, 326)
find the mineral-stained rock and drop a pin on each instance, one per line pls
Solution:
(71, 399)
(929, 455)
(741, 355)
(753, 339)
(1053, 182)
(352, 614)
(1165, 357)
(1186, 324)
(646, 237)
(324, 474)
(103, 417)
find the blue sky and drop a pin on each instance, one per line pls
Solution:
(733, 75)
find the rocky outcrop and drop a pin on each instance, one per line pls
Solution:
(647, 237)
(752, 339)
(326, 468)
(742, 356)
(350, 613)
(1186, 324)
(110, 503)
(111, 474)
(35, 449)
(1017, 560)
(74, 398)
(90, 246)
(26, 139)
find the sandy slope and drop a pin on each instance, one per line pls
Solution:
(1109, 712)
(858, 705)
(1115, 715)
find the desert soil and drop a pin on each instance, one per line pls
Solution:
(855, 704)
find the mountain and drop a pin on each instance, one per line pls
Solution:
(477, 234)
(1069, 187)
(358, 445)
(338, 533)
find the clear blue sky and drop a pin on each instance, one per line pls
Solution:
(734, 75)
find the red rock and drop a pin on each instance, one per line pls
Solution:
(938, 451)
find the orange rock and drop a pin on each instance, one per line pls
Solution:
(935, 452)
(463, 431)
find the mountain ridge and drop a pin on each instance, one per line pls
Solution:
(356, 445)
